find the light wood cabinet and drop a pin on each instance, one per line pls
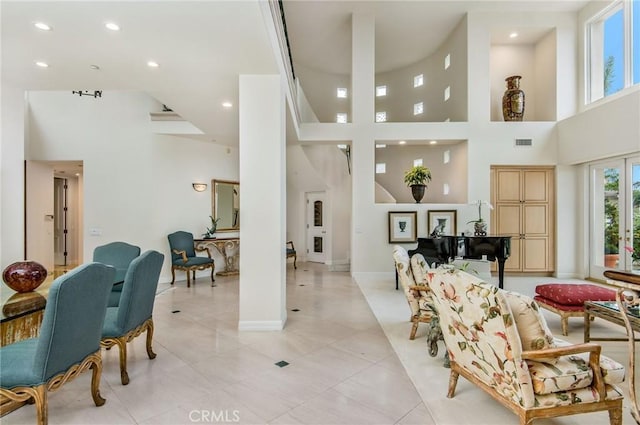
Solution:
(524, 202)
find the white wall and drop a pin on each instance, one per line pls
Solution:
(40, 213)
(617, 131)
(136, 184)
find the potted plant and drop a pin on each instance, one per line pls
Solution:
(417, 178)
(479, 225)
(211, 230)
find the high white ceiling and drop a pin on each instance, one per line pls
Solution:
(202, 46)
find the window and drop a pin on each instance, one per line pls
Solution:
(447, 61)
(417, 162)
(418, 108)
(447, 93)
(381, 91)
(613, 59)
(341, 118)
(381, 116)
(381, 168)
(418, 80)
(342, 93)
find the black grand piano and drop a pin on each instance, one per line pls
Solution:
(443, 249)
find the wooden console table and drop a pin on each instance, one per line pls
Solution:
(229, 248)
(625, 281)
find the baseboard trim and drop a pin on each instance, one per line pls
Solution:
(261, 325)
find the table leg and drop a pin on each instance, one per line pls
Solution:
(587, 326)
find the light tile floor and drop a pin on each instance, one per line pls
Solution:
(351, 362)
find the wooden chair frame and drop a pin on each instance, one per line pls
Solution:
(38, 394)
(293, 254)
(122, 341)
(192, 269)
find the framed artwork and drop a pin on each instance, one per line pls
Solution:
(441, 222)
(403, 226)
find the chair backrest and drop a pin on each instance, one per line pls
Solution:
(118, 255)
(181, 241)
(73, 318)
(139, 290)
(405, 276)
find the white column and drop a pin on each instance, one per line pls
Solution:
(262, 203)
(12, 155)
(364, 227)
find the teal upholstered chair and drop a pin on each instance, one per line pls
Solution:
(132, 316)
(183, 257)
(291, 252)
(69, 341)
(118, 255)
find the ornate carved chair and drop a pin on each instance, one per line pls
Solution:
(118, 255)
(69, 341)
(183, 257)
(133, 315)
(291, 252)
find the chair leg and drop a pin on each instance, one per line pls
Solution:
(453, 381)
(173, 275)
(122, 348)
(188, 279)
(564, 320)
(150, 352)
(96, 373)
(414, 328)
(615, 416)
(42, 404)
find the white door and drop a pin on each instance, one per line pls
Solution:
(615, 212)
(316, 227)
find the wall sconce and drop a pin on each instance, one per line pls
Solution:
(199, 187)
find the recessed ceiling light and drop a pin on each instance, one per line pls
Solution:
(402, 142)
(227, 104)
(513, 35)
(153, 64)
(42, 26)
(380, 145)
(433, 142)
(42, 64)
(112, 26)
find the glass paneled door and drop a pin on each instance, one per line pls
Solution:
(316, 227)
(615, 216)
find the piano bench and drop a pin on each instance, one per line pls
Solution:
(567, 299)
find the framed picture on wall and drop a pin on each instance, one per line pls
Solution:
(441, 222)
(403, 226)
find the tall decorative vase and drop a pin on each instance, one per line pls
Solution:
(417, 191)
(513, 100)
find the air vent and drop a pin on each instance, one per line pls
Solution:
(524, 142)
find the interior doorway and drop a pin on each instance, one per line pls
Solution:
(53, 214)
(317, 237)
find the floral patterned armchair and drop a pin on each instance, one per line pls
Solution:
(499, 341)
(412, 275)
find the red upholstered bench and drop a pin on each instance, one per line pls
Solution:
(567, 299)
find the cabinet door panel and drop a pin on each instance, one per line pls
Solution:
(535, 254)
(509, 184)
(513, 262)
(535, 222)
(508, 220)
(535, 186)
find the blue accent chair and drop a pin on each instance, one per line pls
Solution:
(68, 344)
(118, 255)
(183, 257)
(133, 315)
